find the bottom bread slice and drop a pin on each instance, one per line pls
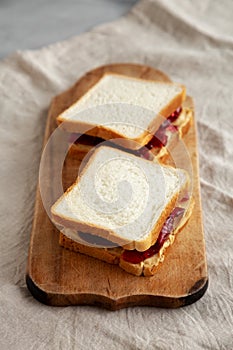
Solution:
(147, 267)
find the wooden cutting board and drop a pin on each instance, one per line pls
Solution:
(56, 276)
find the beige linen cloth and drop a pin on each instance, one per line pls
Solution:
(192, 42)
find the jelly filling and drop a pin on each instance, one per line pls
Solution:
(85, 139)
(135, 257)
(160, 138)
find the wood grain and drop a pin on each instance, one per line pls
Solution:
(56, 276)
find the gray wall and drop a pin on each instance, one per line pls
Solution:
(30, 24)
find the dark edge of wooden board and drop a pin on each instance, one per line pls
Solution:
(196, 292)
(53, 299)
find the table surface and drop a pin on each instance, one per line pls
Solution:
(27, 24)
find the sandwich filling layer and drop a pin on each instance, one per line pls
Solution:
(159, 139)
(135, 256)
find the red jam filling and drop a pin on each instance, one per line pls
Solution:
(160, 138)
(135, 257)
(85, 139)
(175, 115)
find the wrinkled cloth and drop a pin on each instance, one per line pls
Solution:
(192, 42)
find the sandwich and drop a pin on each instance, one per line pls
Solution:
(124, 210)
(134, 114)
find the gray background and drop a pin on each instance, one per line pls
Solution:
(30, 24)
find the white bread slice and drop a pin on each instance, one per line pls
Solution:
(183, 123)
(121, 197)
(148, 267)
(123, 107)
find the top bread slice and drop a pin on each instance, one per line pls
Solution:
(120, 197)
(124, 107)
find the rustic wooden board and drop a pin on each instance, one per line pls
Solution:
(56, 276)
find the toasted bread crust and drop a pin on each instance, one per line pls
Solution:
(148, 267)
